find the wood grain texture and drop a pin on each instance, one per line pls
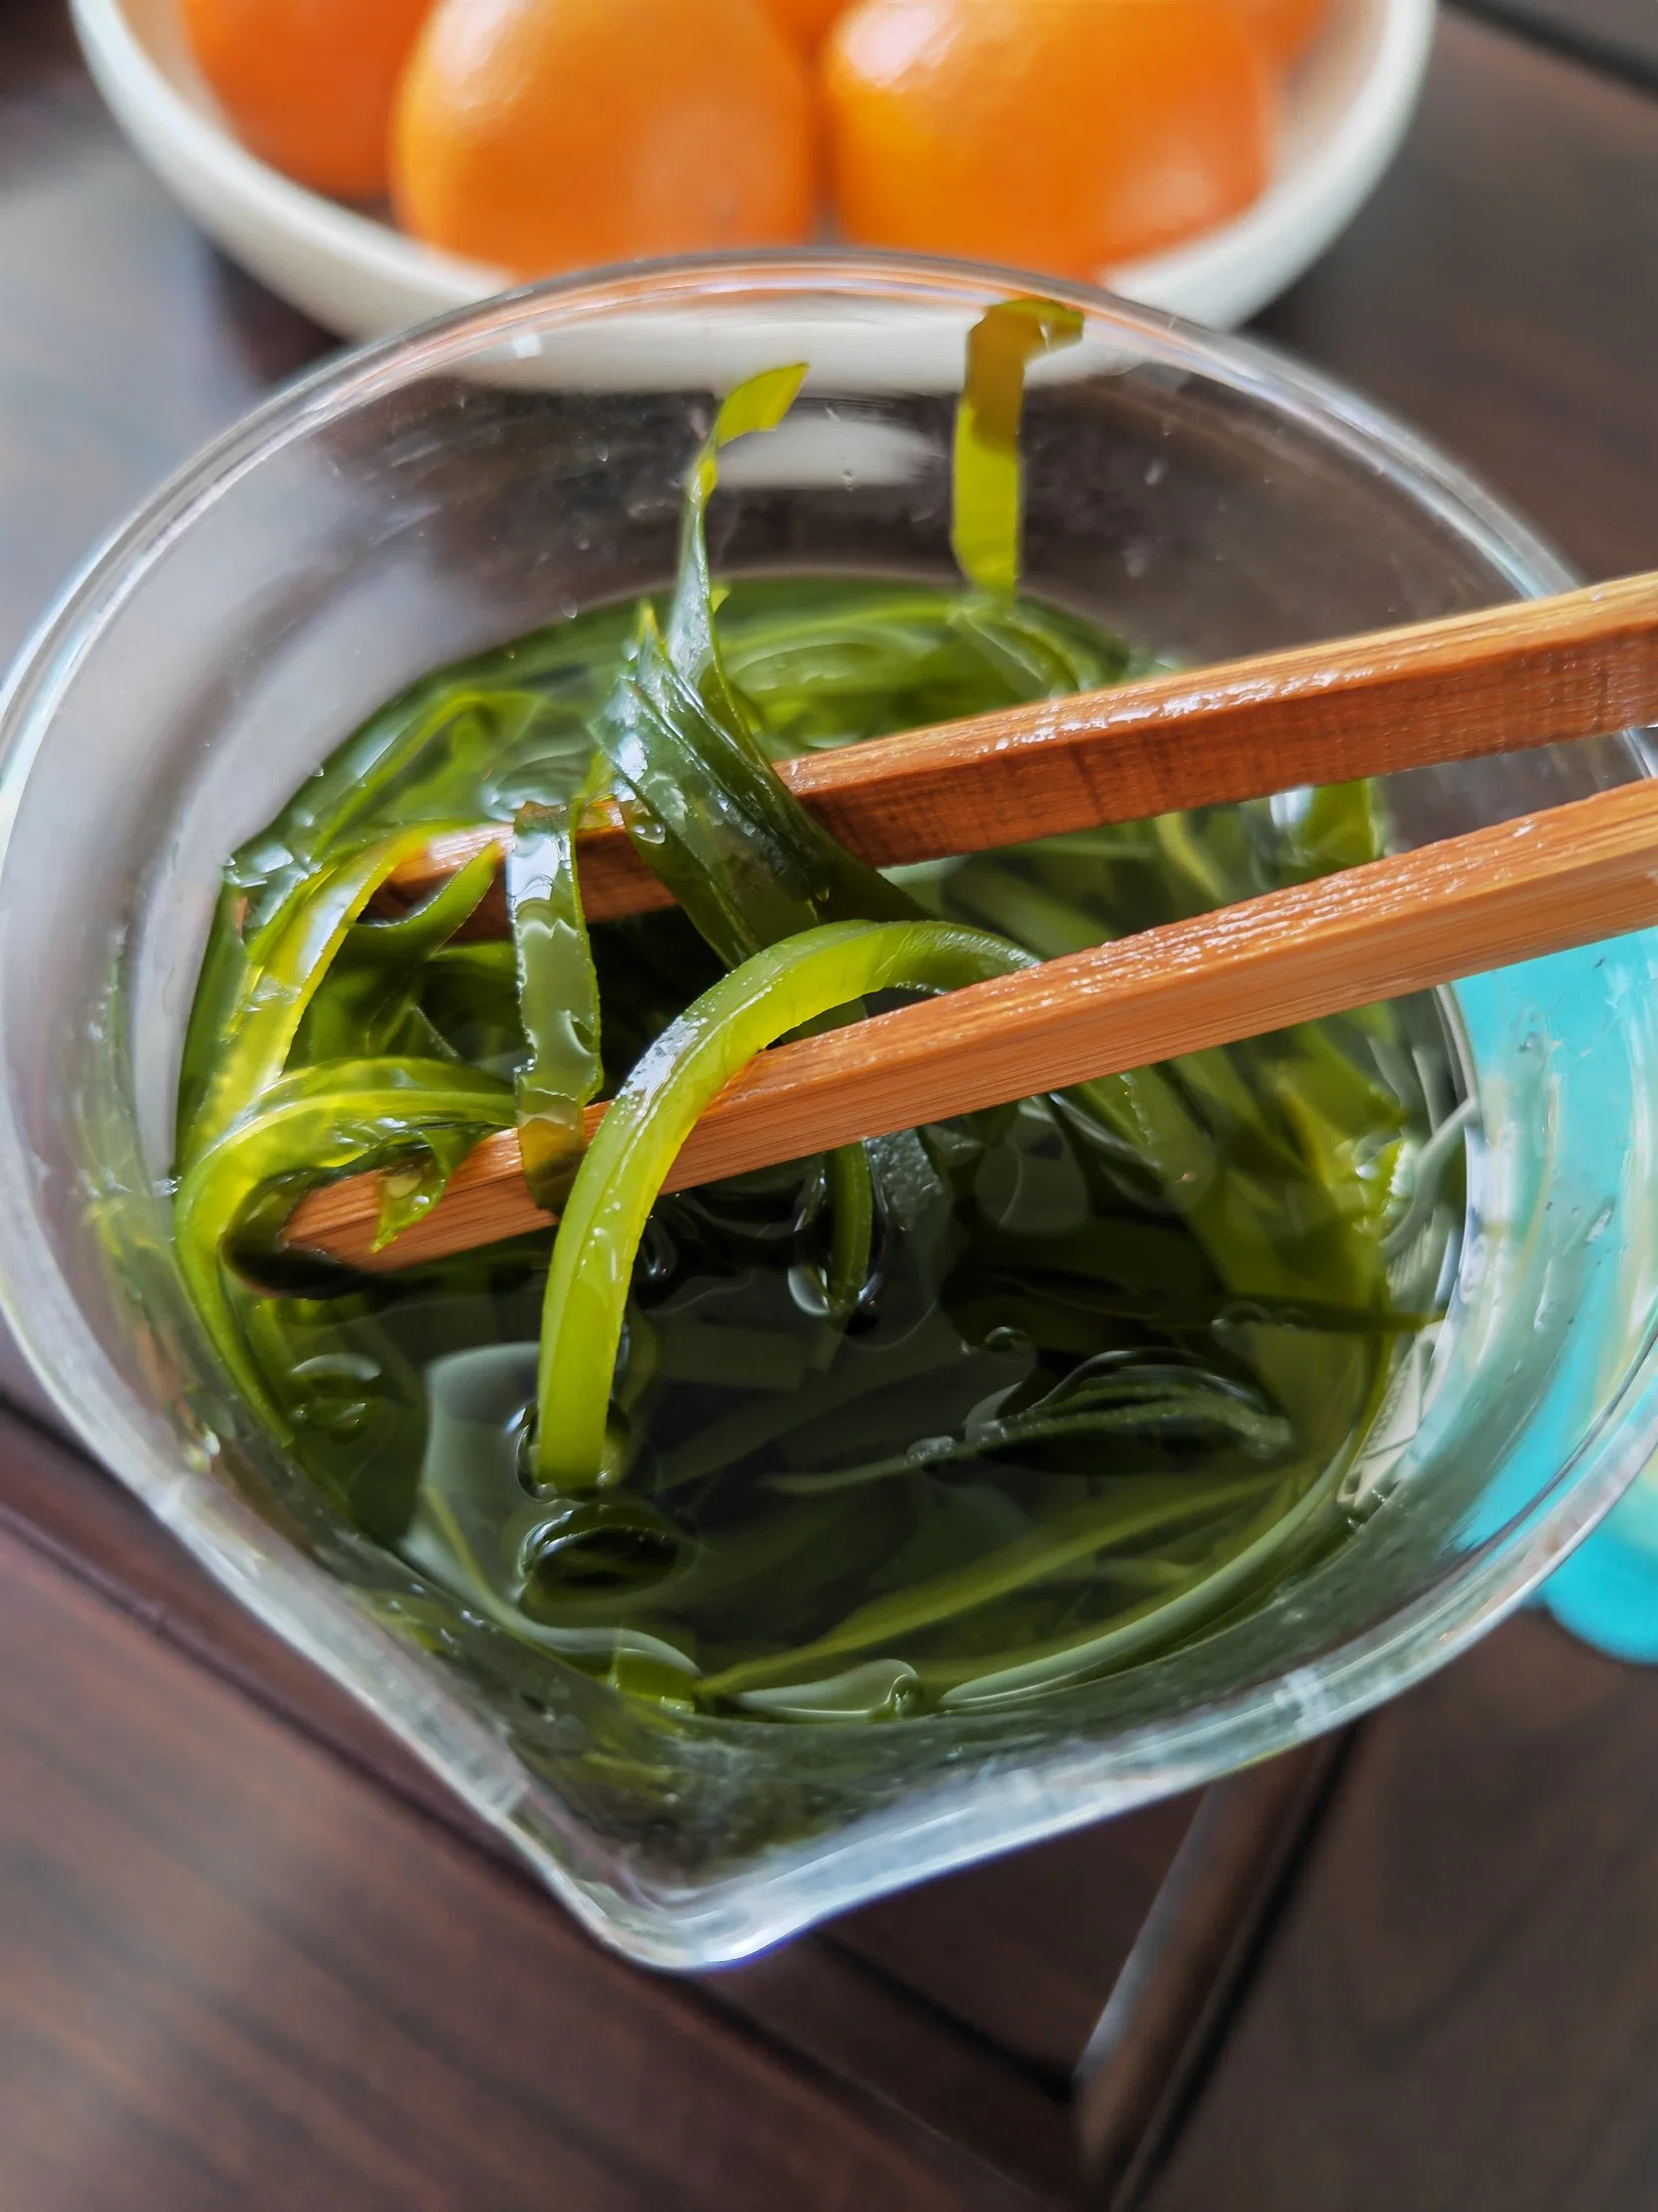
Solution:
(1585, 665)
(124, 340)
(912, 2008)
(1026, 1950)
(961, 2015)
(960, 2008)
(82, 1521)
(1617, 36)
(917, 2067)
(1497, 289)
(1543, 883)
(1461, 2013)
(235, 1975)
(1167, 2006)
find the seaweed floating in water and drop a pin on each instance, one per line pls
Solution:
(937, 1421)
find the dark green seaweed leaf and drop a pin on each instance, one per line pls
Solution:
(558, 997)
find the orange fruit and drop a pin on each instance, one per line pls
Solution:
(1286, 28)
(1065, 135)
(805, 21)
(547, 134)
(309, 84)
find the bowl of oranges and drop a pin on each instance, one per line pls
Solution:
(381, 162)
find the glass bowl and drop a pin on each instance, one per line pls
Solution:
(445, 492)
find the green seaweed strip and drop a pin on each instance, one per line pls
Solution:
(759, 404)
(285, 965)
(1194, 1407)
(411, 1188)
(684, 1072)
(416, 936)
(558, 997)
(1133, 1508)
(1235, 1562)
(745, 858)
(851, 1229)
(988, 516)
(710, 816)
(304, 1126)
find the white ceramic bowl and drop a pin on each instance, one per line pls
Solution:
(1348, 106)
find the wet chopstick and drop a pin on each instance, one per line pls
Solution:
(1506, 679)
(1565, 877)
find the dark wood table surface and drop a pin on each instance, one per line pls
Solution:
(250, 1956)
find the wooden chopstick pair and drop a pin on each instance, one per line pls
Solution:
(1537, 673)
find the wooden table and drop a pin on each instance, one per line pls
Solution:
(248, 1955)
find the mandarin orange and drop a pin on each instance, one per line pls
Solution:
(547, 134)
(309, 84)
(1066, 136)
(1286, 27)
(805, 21)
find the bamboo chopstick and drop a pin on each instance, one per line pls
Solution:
(1541, 883)
(1506, 679)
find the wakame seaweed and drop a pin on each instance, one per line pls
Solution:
(937, 1421)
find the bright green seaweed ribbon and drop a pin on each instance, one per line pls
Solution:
(283, 967)
(258, 1125)
(779, 990)
(713, 818)
(989, 472)
(317, 1122)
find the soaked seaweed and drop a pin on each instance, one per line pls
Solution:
(936, 1421)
